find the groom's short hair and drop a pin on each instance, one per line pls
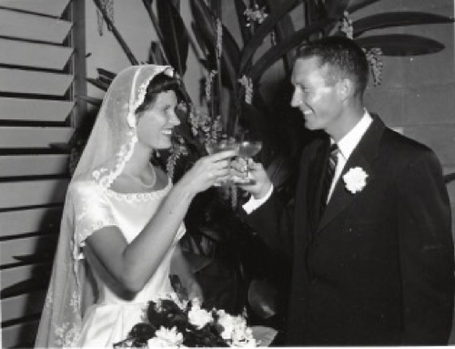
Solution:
(344, 58)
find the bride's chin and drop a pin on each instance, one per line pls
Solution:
(163, 146)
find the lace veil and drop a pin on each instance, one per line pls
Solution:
(109, 147)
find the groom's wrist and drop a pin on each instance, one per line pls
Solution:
(254, 203)
(264, 191)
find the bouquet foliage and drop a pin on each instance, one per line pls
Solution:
(173, 322)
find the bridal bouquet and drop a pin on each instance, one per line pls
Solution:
(172, 322)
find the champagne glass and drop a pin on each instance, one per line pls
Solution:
(219, 146)
(248, 147)
(222, 145)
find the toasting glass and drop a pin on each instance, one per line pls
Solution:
(249, 146)
(219, 146)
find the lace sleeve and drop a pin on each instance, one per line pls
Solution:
(92, 210)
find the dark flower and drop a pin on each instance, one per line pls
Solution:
(166, 313)
(143, 331)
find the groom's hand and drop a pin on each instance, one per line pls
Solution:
(261, 185)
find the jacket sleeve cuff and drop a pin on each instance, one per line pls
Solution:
(252, 204)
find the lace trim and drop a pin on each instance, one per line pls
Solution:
(129, 197)
(66, 335)
(142, 90)
(137, 197)
(122, 157)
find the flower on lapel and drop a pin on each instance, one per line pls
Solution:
(355, 179)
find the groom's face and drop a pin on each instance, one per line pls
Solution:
(315, 94)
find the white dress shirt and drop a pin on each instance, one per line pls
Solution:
(346, 146)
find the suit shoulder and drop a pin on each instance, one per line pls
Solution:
(399, 142)
(394, 143)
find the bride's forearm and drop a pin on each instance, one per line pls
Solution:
(154, 241)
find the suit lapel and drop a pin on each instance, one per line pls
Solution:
(362, 156)
(315, 180)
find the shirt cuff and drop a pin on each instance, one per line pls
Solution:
(252, 204)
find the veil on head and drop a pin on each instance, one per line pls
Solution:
(109, 147)
(113, 137)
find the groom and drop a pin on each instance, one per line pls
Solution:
(371, 243)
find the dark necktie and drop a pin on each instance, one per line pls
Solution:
(328, 178)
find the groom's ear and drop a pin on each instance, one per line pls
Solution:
(345, 88)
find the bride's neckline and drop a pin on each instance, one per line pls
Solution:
(161, 183)
(132, 196)
(137, 180)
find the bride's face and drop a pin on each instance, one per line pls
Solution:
(156, 124)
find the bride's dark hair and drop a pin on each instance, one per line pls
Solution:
(161, 83)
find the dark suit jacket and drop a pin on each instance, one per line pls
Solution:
(378, 267)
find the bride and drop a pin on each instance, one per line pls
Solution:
(123, 218)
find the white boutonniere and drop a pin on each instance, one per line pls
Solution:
(355, 179)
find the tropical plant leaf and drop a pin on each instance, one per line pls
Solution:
(175, 36)
(100, 84)
(401, 44)
(116, 33)
(93, 101)
(231, 56)
(280, 49)
(244, 30)
(355, 5)
(283, 29)
(148, 7)
(106, 74)
(205, 25)
(210, 63)
(336, 8)
(314, 11)
(155, 54)
(206, 28)
(176, 4)
(258, 117)
(395, 19)
(104, 80)
(262, 31)
(199, 39)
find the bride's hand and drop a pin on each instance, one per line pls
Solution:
(208, 170)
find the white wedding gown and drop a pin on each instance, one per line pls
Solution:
(110, 319)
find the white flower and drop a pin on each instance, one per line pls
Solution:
(235, 330)
(355, 179)
(165, 337)
(199, 317)
(243, 336)
(227, 322)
